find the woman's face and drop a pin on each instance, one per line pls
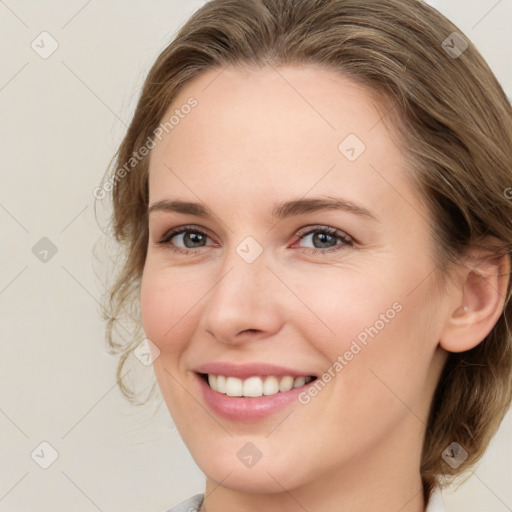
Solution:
(300, 251)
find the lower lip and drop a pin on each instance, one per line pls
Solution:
(247, 409)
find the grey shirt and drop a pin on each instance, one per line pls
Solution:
(193, 504)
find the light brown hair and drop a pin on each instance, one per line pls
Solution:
(455, 127)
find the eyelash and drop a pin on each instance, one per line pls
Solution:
(346, 240)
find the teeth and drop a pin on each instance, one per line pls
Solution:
(255, 386)
(299, 381)
(270, 386)
(221, 383)
(286, 384)
(234, 386)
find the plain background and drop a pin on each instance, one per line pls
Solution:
(61, 120)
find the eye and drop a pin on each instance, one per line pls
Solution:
(323, 239)
(184, 238)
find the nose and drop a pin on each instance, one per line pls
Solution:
(245, 303)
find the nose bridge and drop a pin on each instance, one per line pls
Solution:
(243, 297)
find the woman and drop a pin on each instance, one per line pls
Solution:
(312, 203)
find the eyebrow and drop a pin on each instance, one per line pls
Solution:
(279, 211)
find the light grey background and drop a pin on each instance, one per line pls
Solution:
(61, 120)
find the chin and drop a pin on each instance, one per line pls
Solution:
(264, 477)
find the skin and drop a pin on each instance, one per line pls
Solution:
(256, 138)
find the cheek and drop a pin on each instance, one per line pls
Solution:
(343, 303)
(152, 294)
(166, 303)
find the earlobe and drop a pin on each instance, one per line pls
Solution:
(479, 306)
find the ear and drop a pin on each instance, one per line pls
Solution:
(479, 300)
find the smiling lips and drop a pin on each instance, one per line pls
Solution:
(249, 392)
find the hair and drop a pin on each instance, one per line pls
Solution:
(455, 127)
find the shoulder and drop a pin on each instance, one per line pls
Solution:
(436, 503)
(191, 505)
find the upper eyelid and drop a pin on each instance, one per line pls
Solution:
(322, 227)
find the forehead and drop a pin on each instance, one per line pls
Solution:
(281, 131)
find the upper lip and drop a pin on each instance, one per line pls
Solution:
(244, 371)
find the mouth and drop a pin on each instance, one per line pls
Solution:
(250, 392)
(254, 386)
